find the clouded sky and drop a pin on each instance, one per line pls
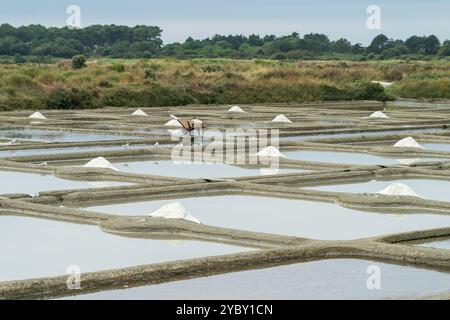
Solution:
(203, 18)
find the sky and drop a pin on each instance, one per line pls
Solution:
(204, 18)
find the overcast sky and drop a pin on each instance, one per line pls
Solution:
(203, 18)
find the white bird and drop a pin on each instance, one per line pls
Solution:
(43, 164)
(157, 145)
(35, 195)
(126, 146)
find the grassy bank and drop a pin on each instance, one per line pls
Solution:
(146, 83)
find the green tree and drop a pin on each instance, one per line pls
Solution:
(341, 46)
(380, 43)
(78, 62)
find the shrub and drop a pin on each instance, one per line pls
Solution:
(150, 74)
(70, 99)
(372, 91)
(118, 67)
(78, 62)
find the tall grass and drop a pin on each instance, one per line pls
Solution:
(162, 82)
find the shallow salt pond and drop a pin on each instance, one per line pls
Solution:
(357, 134)
(315, 220)
(30, 183)
(428, 189)
(57, 135)
(441, 244)
(326, 279)
(33, 248)
(32, 152)
(437, 146)
(339, 157)
(182, 169)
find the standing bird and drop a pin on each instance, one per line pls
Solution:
(190, 125)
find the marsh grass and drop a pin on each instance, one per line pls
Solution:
(163, 82)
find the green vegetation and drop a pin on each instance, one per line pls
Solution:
(36, 43)
(164, 82)
(79, 62)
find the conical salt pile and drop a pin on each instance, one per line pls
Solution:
(173, 123)
(174, 211)
(378, 115)
(398, 189)
(140, 113)
(409, 142)
(37, 115)
(270, 152)
(281, 118)
(236, 109)
(100, 162)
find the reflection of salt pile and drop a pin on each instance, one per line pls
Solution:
(236, 109)
(408, 162)
(101, 184)
(270, 152)
(281, 118)
(384, 84)
(268, 171)
(174, 211)
(398, 189)
(409, 142)
(37, 115)
(140, 113)
(177, 132)
(378, 115)
(100, 162)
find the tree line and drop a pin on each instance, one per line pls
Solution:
(145, 42)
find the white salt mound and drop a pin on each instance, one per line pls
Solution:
(37, 115)
(100, 162)
(270, 152)
(281, 118)
(236, 109)
(398, 189)
(378, 115)
(173, 123)
(174, 211)
(140, 113)
(384, 84)
(409, 142)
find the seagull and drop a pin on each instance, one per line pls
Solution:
(43, 164)
(126, 146)
(157, 145)
(35, 195)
